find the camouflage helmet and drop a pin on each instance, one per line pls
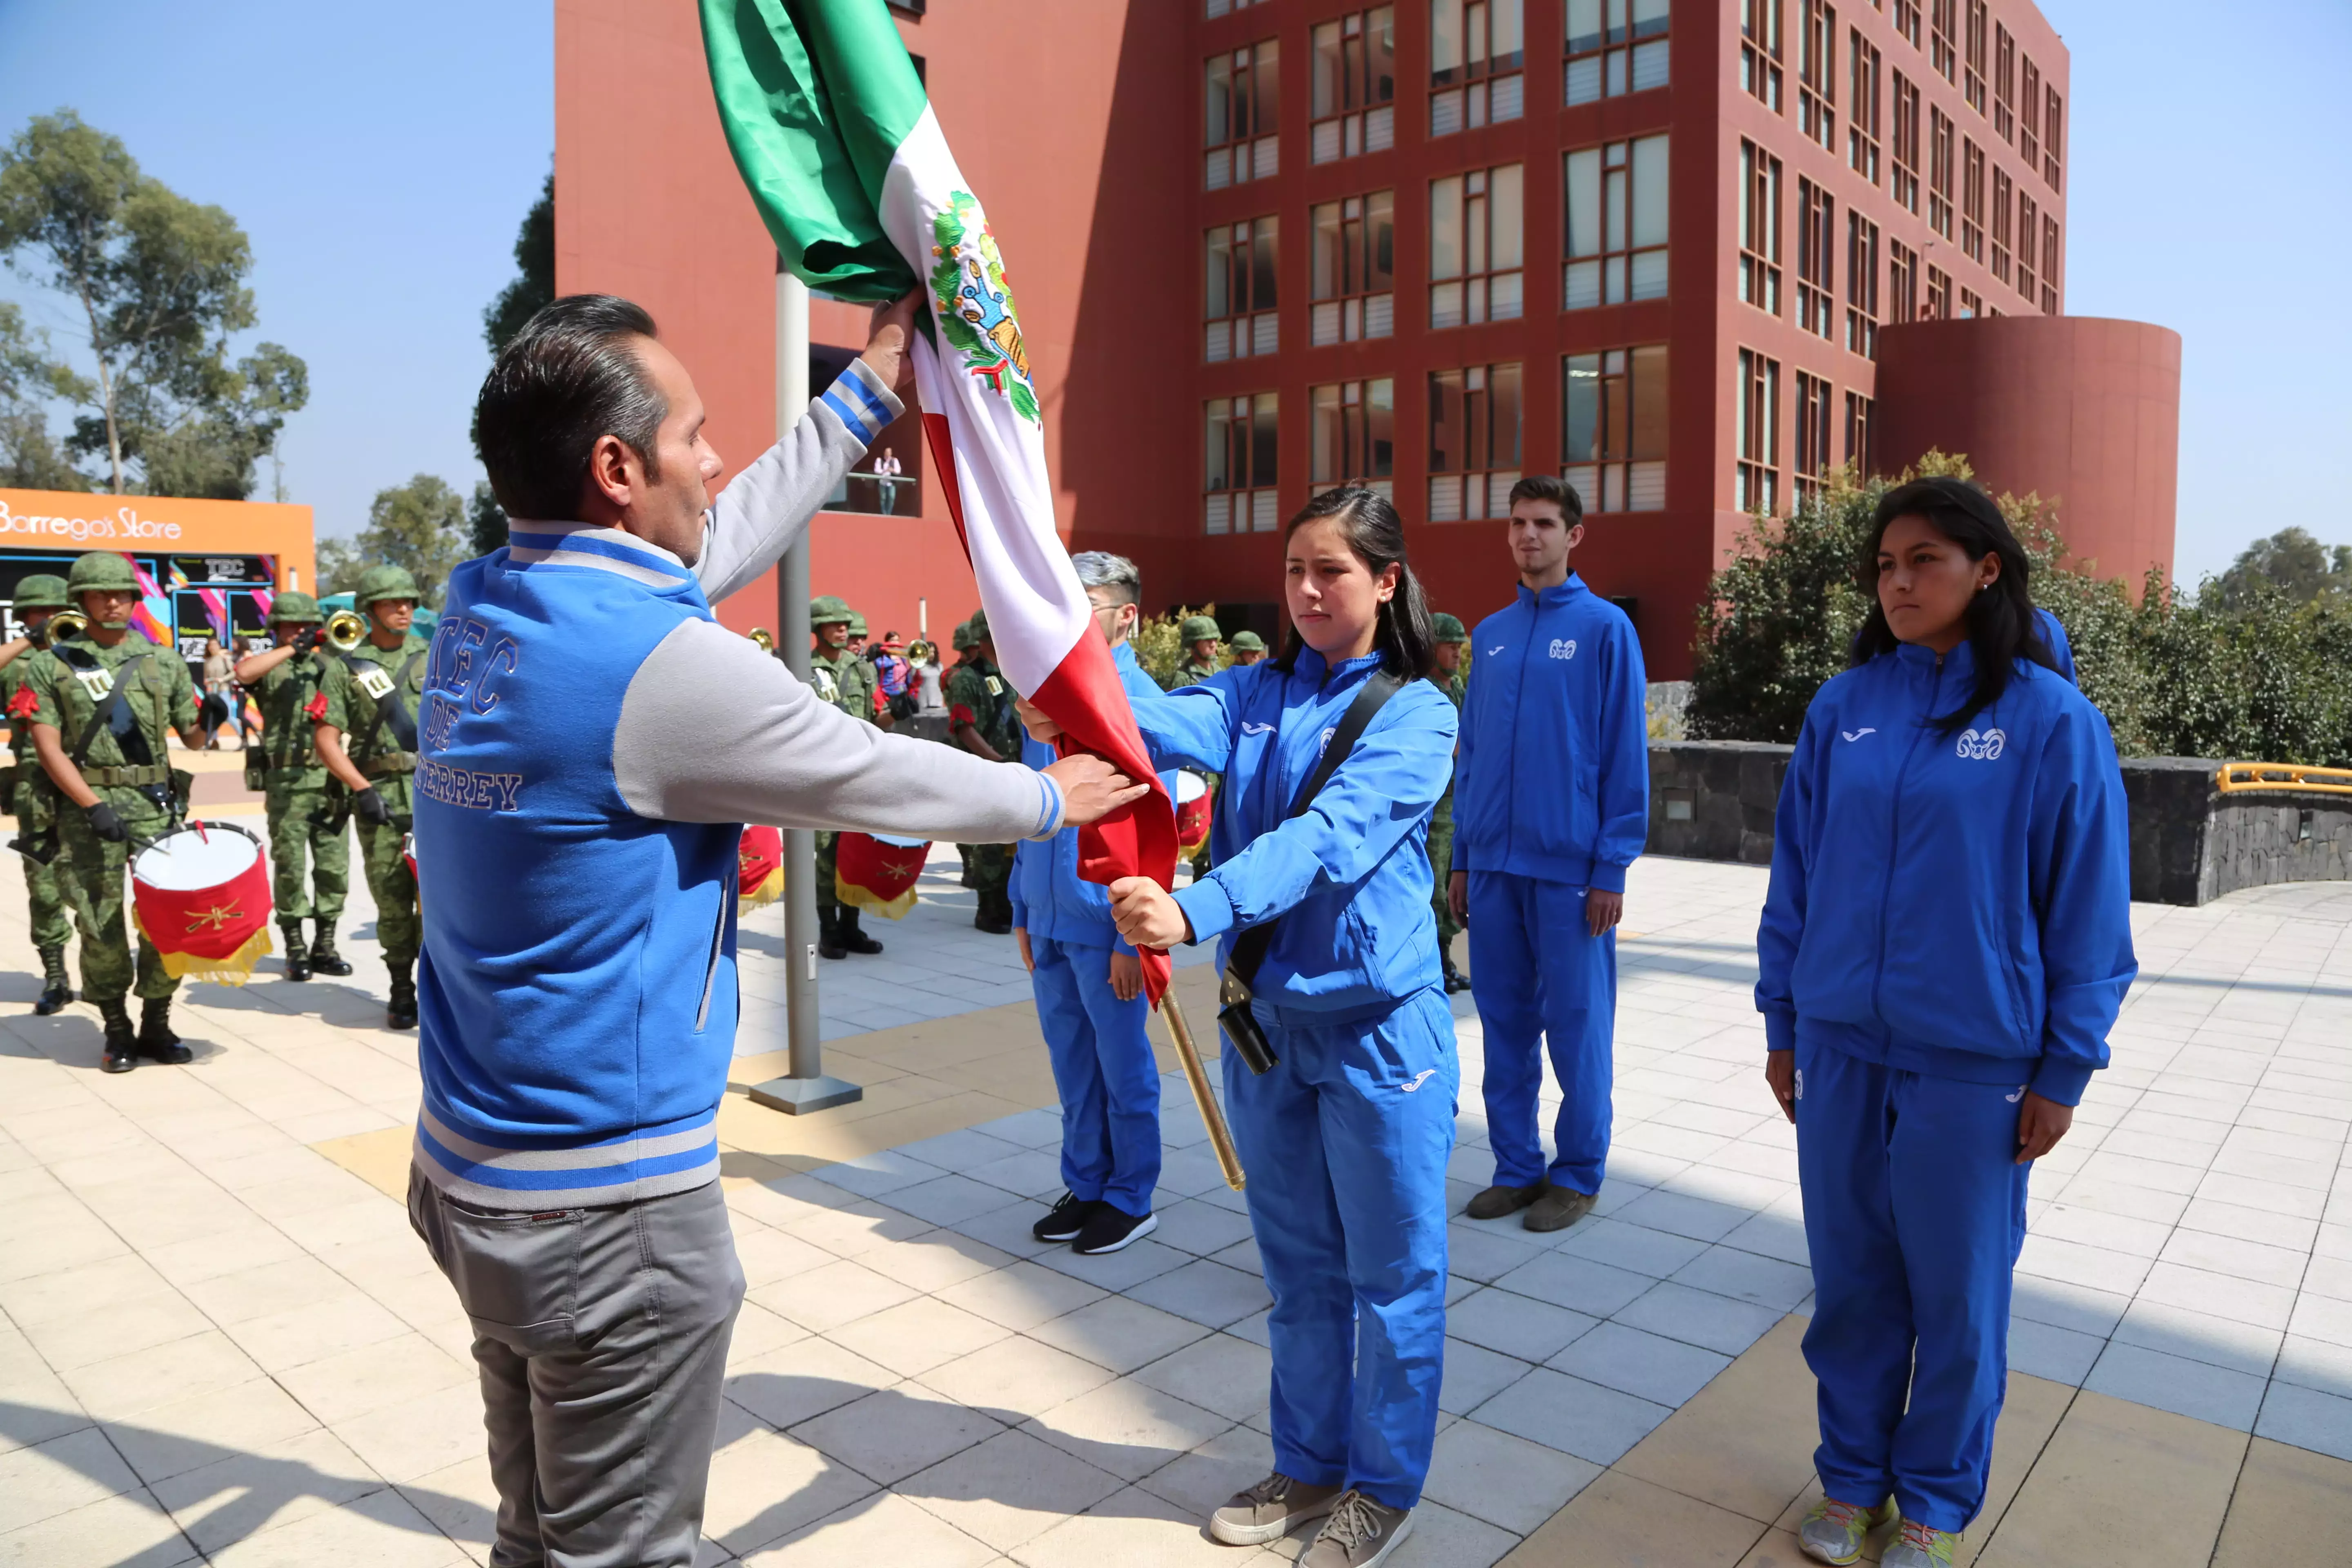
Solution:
(979, 625)
(1448, 627)
(1198, 628)
(962, 639)
(101, 571)
(857, 625)
(1247, 642)
(383, 583)
(299, 608)
(829, 610)
(42, 591)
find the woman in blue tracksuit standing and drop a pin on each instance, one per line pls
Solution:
(1346, 1138)
(1945, 946)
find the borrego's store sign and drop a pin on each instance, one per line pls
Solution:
(126, 526)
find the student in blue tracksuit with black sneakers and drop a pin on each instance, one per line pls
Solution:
(1089, 983)
(1551, 804)
(1945, 944)
(1346, 1136)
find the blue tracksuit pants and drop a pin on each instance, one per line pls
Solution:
(1104, 1070)
(1538, 971)
(1345, 1142)
(1914, 1213)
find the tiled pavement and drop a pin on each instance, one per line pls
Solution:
(223, 1345)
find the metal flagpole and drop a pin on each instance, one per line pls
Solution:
(805, 1087)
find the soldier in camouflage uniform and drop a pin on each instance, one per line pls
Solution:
(980, 720)
(305, 824)
(1200, 636)
(1248, 647)
(102, 708)
(33, 800)
(366, 734)
(1448, 675)
(847, 681)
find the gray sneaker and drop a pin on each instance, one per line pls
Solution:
(1270, 1510)
(1359, 1534)
(1834, 1531)
(1559, 1208)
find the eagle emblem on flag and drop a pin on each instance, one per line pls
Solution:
(975, 303)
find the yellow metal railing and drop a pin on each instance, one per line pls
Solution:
(2238, 777)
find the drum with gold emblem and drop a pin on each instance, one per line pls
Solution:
(1194, 799)
(759, 868)
(878, 871)
(200, 895)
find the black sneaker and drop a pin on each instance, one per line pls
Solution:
(1111, 1227)
(1068, 1218)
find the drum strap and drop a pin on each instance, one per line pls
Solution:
(113, 713)
(389, 709)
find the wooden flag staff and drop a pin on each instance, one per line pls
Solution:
(1221, 1136)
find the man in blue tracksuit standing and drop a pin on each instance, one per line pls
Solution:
(1089, 983)
(1551, 804)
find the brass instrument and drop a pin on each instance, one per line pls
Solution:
(64, 624)
(760, 636)
(345, 630)
(920, 652)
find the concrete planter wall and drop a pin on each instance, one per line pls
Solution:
(1715, 800)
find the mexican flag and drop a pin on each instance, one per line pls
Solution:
(834, 137)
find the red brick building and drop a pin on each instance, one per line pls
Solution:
(1665, 248)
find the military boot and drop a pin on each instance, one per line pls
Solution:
(298, 952)
(155, 1037)
(995, 916)
(851, 938)
(121, 1044)
(324, 959)
(829, 933)
(400, 1013)
(56, 989)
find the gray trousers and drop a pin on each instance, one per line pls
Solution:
(601, 1338)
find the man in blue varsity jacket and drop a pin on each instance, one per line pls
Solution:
(1551, 804)
(592, 742)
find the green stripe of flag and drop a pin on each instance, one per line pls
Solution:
(815, 97)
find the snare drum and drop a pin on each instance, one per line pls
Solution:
(878, 871)
(200, 895)
(1193, 801)
(759, 869)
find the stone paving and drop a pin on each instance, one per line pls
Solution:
(221, 1342)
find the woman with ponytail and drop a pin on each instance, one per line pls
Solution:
(1945, 946)
(1333, 755)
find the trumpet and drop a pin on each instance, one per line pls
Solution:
(760, 636)
(58, 627)
(920, 652)
(345, 630)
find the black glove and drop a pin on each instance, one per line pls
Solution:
(371, 807)
(306, 639)
(106, 824)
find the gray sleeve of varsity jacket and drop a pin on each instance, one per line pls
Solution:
(712, 730)
(759, 515)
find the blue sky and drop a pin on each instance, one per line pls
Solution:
(380, 157)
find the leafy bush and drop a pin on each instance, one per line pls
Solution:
(1158, 647)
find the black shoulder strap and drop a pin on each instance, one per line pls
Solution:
(132, 744)
(1250, 947)
(388, 707)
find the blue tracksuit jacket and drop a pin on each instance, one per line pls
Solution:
(1553, 781)
(1953, 905)
(2054, 632)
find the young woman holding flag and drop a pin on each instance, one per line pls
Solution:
(1945, 945)
(1345, 1133)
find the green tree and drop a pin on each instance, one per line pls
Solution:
(486, 520)
(160, 281)
(29, 460)
(420, 525)
(2290, 562)
(534, 285)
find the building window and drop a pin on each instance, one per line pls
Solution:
(1902, 282)
(1221, 8)
(1813, 443)
(1816, 257)
(1353, 278)
(1972, 80)
(1940, 295)
(1906, 143)
(1971, 305)
(1615, 216)
(1759, 228)
(2004, 83)
(1240, 305)
(1972, 200)
(1355, 86)
(1906, 20)
(1940, 172)
(1473, 442)
(2001, 207)
(2028, 124)
(1355, 434)
(1477, 58)
(1861, 105)
(1861, 285)
(2048, 264)
(1613, 429)
(1476, 231)
(1943, 19)
(1615, 47)
(1239, 481)
(2053, 120)
(1860, 449)
(1244, 105)
(2029, 219)
(1760, 51)
(1757, 480)
(1817, 75)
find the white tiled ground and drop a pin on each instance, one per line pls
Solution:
(216, 1343)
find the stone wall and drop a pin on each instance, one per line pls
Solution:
(1714, 800)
